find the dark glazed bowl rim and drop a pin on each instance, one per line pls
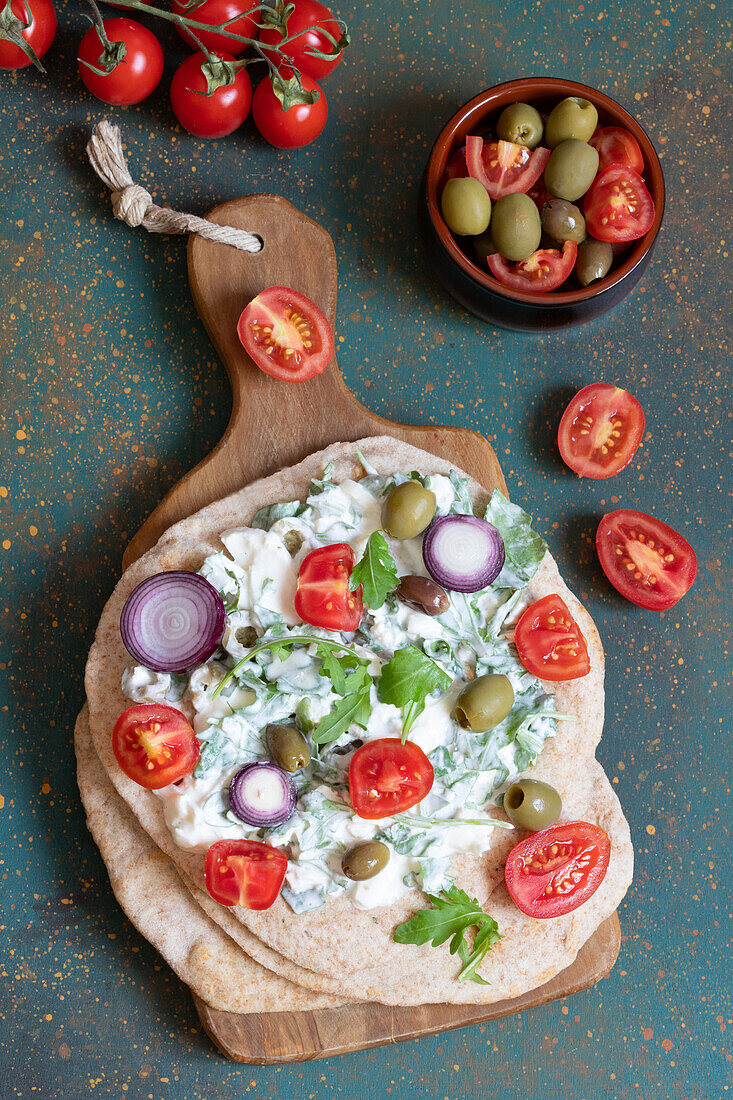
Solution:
(491, 100)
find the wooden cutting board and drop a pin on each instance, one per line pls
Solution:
(276, 424)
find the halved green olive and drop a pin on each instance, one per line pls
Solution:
(532, 804)
(484, 703)
(408, 510)
(365, 860)
(288, 747)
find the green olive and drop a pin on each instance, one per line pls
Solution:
(466, 206)
(288, 748)
(408, 510)
(515, 226)
(484, 703)
(365, 860)
(570, 118)
(571, 169)
(531, 804)
(484, 246)
(521, 124)
(594, 261)
(563, 221)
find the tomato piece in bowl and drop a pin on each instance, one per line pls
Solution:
(546, 269)
(618, 206)
(648, 562)
(600, 430)
(615, 145)
(503, 167)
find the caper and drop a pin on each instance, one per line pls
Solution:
(365, 860)
(520, 123)
(408, 510)
(466, 206)
(594, 261)
(515, 226)
(288, 747)
(571, 169)
(293, 541)
(484, 703)
(570, 118)
(246, 636)
(563, 221)
(423, 594)
(532, 804)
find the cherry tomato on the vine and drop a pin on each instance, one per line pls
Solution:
(215, 115)
(214, 13)
(305, 26)
(138, 72)
(39, 32)
(299, 125)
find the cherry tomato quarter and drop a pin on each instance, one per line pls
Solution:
(618, 206)
(503, 167)
(37, 20)
(215, 115)
(244, 872)
(154, 745)
(545, 270)
(550, 642)
(305, 26)
(216, 12)
(386, 777)
(648, 562)
(286, 335)
(456, 168)
(295, 127)
(615, 145)
(323, 597)
(135, 76)
(600, 430)
(554, 872)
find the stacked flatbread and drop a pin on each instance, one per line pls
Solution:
(245, 961)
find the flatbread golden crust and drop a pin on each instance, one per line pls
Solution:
(338, 948)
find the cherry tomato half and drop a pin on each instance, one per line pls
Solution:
(209, 116)
(645, 560)
(323, 597)
(545, 270)
(286, 335)
(154, 745)
(618, 206)
(299, 125)
(549, 641)
(386, 777)
(216, 12)
(244, 872)
(615, 145)
(503, 167)
(456, 168)
(136, 76)
(600, 430)
(555, 871)
(308, 14)
(39, 34)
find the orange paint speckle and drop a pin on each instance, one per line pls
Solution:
(651, 830)
(33, 530)
(20, 434)
(6, 544)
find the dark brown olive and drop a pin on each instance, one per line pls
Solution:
(365, 860)
(288, 748)
(594, 261)
(532, 804)
(423, 594)
(563, 221)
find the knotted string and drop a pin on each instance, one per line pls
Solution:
(134, 205)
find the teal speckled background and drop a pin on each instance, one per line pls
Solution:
(111, 391)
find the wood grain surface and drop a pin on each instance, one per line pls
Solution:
(273, 425)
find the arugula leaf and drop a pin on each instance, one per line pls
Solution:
(278, 646)
(406, 682)
(453, 914)
(336, 667)
(265, 517)
(523, 547)
(354, 708)
(375, 571)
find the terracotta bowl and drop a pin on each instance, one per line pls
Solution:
(475, 287)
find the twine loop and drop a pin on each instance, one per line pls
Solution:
(133, 205)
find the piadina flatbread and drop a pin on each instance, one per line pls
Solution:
(337, 948)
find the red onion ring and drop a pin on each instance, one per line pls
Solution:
(172, 621)
(463, 553)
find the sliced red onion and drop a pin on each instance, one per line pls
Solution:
(172, 621)
(463, 553)
(263, 795)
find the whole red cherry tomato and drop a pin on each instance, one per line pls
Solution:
(299, 125)
(215, 115)
(133, 56)
(305, 26)
(216, 12)
(38, 32)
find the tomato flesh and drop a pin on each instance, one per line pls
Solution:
(286, 335)
(615, 145)
(648, 562)
(503, 167)
(618, 206)
(323, 597)
(244, 872)
(154, 745)
(387, 777)
(550, 642)
(557, 870)
(456, 168)
(600, 430)
(546, 269)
